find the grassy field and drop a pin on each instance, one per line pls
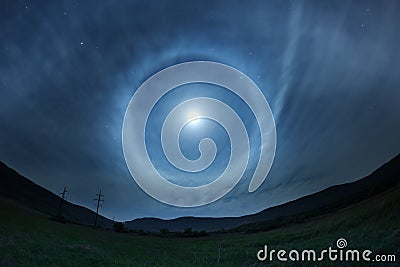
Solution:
(30, 239)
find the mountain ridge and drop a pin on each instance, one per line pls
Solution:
(331, 198)
(23, 191)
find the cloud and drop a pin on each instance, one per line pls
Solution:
(329, 71)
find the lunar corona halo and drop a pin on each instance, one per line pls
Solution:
(191, 112)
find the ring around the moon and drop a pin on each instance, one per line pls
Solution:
(153, 89)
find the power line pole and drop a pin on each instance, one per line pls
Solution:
(63, 197)
(99, 199)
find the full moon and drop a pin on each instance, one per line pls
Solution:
(195, 120)
(193, 117)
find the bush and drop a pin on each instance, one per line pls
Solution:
(164, 231)
(119, 227)
(203, 233)
(188, 232)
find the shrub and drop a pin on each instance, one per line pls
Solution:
(203, 233)
(119, 227)
(164, 231)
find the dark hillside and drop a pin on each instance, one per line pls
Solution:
(328, 200)
(23, 191)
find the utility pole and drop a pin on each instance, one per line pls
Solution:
(61, 201)
(98, 199)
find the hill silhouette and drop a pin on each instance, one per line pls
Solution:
(26, 193)
(23, 191)
(328, 200)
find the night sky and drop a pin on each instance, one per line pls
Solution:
(330, 71)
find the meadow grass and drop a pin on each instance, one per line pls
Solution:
(28, 238)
